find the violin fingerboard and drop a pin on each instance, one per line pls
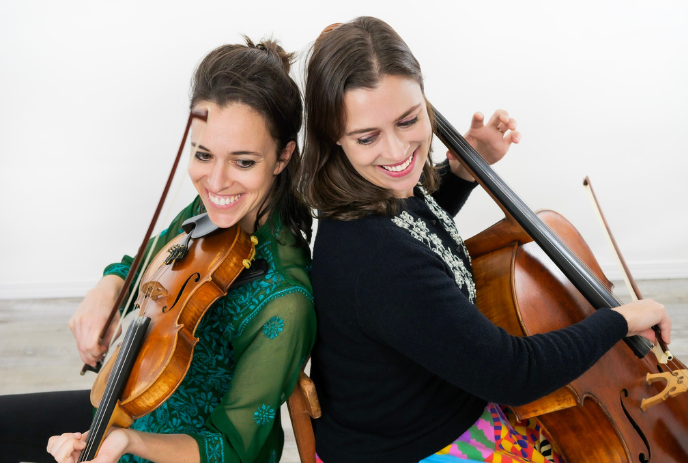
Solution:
(118, 379)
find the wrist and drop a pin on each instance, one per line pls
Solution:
(463, 173)
(134, 442)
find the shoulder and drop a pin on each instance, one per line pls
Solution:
(291, 315)
(373, 231)
(374, 240)
(357, 262)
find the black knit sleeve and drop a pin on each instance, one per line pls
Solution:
(420, 311)
(453, 191)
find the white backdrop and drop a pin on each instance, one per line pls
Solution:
(94, 95)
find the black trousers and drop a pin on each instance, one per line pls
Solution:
(27, 421)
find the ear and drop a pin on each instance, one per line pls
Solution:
(284, 157)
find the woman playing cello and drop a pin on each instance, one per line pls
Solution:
(406, 366)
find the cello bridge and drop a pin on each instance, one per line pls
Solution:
(677, 383)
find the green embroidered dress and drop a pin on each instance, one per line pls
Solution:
(252, 344)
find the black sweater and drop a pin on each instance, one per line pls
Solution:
(404, 363)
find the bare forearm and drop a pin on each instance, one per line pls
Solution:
(163, 448)
(112, 284)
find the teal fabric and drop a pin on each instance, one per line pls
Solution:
(252, 344)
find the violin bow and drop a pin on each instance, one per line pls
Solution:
(203, 116)
(661, 350)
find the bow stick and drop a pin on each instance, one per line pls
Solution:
(202, 115)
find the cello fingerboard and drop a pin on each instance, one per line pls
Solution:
(118, 379)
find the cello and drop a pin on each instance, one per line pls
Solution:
(534, 274)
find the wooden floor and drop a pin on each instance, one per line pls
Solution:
(37, 351)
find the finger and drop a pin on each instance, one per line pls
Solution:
(649, 335)
(513, 137)
(511, 124)
(113, 331)
(665, 329)
(64, 452)
(56, 441)
(96, 351)
(478, 120)
(451, 156)
(90, 359)
(499, 118)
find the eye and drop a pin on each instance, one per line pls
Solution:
(203, 156)
(367, 140)
(408, 123)
(244, 163)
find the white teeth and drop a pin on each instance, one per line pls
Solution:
(400, 167)
(224, 200)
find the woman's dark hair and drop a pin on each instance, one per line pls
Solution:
(345, 57)
(258, 76)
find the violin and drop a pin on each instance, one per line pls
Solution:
(534, 274)
(182, 281)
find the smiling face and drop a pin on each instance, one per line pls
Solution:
(236, 163)
(388, 133)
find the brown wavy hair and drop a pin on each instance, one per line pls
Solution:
(257, 75)
(345, 57)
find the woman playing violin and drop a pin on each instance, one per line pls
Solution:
(254, 340)
(406, 366)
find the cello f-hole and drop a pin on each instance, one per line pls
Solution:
(641, 456)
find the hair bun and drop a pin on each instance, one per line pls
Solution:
(273, 49)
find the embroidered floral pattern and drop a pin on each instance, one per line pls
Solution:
(273, 327)
(264, 415)
(120, 270)
(447, 222)
(212, 369)
(419, 230)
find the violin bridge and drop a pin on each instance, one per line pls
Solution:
(153, 290)
(677, 383)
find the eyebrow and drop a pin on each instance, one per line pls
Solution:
(409, 111)
(236, 153)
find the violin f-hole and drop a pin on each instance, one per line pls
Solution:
(179, 294)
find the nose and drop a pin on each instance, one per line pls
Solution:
(397, 147)
(219, 177)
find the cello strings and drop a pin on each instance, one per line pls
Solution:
(524, 209)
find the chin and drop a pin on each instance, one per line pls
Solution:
(222, 221)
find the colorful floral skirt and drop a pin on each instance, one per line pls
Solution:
(497, 437)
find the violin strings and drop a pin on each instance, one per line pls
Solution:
(108, 394)
(180, 183)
